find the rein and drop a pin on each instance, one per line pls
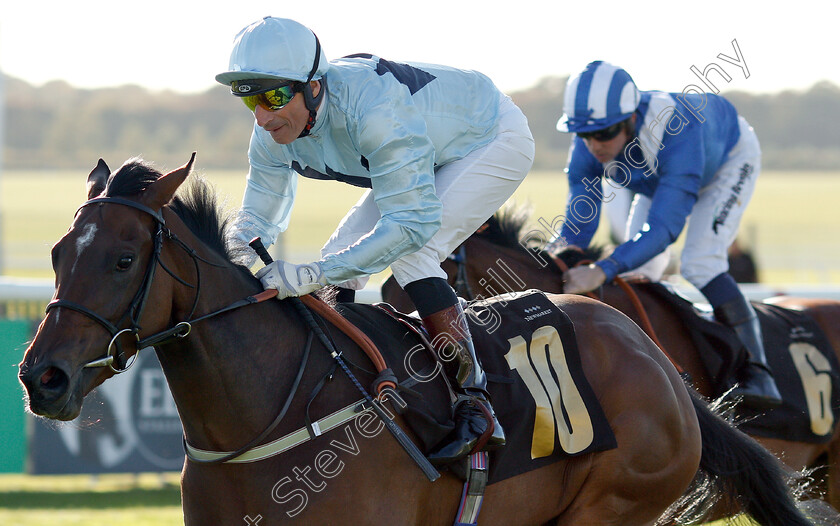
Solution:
(645, 321)
(180, 329)
(301, 304)
(640, 310)
(250, 452)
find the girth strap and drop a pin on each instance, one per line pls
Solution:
(422, 462)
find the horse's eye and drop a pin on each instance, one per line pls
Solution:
(125, 262)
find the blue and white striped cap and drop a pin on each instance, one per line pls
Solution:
(602, 95)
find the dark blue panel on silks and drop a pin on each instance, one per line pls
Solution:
(411, 77)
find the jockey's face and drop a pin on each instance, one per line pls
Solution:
(606, 151)
(287, 123)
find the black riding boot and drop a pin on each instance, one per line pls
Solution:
(470, 421)
(756, 387)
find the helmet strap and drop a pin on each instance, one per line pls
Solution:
(311, 101)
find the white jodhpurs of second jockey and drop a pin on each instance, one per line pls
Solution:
(715, 218)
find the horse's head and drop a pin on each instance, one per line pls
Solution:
(104, 267)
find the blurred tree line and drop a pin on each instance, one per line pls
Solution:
(57, 126)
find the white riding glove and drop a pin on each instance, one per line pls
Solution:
(292, 280)
(580, 280)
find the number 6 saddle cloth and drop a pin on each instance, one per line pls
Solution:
(806, 371)
(528, 349)
(803, 363)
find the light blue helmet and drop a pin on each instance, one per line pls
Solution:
(602, 95)
(275, 48)
(278, 49)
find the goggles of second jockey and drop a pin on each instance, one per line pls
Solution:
(606, 134)
(264, 92)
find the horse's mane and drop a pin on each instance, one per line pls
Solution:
(506, 228)
(134, 176)
(196, 203)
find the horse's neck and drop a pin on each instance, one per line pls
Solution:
(510, 269)
(227, 375)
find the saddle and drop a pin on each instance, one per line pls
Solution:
(428, 396)
(804, 366)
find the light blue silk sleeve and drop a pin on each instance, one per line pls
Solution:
(269, 196)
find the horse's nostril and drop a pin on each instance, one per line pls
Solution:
(47, 376)
(52, 378)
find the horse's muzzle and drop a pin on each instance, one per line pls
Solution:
(48, 388)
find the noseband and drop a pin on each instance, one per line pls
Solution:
(113, 352)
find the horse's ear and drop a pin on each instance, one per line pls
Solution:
(97, 179)
(163, 190)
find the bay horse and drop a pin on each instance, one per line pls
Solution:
(501, 257)
(140, 265)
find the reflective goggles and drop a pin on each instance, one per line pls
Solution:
(255, 93)
(607, 134)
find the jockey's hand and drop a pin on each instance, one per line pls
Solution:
(292, 280)
(583, 279)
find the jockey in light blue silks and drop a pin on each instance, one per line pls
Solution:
(682, 156)
(439, 149)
